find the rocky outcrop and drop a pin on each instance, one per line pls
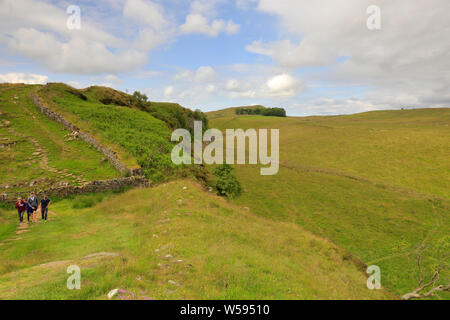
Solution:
(111, 155)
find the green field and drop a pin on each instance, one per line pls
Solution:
(34, 149)
(205, 246)
(375, 184)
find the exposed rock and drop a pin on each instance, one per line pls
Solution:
(112, 293)
(173, 282)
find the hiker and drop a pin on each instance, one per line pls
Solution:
(44, 207)
(33, 204)
(21, 208)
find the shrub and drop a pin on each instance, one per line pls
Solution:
(272, 112)
(227, 184)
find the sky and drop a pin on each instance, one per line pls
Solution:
(310, 57)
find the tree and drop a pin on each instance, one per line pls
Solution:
(140, 97)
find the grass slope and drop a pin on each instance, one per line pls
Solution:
(41, 152)
(139, 138)
(376, 184)
(208, 247)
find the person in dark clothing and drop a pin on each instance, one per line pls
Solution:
(44, 207)
(33, 204)
(21, 208)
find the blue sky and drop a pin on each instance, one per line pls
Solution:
(309, 57)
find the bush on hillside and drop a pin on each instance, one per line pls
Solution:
(140, 98)
(227, 184)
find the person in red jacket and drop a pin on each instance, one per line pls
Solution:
(21, 208)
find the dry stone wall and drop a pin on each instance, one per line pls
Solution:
(90, 187)
(111, 155)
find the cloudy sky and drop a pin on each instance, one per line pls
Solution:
(311, 57)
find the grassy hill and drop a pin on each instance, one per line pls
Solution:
(34, 152)
(139, 131)
(375, 184)
(174, 241)
(139, 138)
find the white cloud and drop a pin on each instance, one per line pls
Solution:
(324, 106)
(232, 28)
(204, 74)
(75, 56)
(244, 4)
(233, 85)
(408, 60)
(257, 83)
(75, 84)
(37, 30)
(198, 24)
(201, 75)
(204, 7)
(283, 85)
(210, 88)
(169, 91)
(27, 78)
(143, 74)
(155, 26)
(186, 74)
(112, 78)
(145, 13)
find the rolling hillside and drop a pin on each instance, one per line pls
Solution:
(174, 241)
(376, 184)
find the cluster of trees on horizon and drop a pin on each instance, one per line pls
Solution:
(260, 110)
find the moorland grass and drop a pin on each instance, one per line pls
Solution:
(207, 247)
(376, 184)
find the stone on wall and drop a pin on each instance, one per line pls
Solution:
(90, 187)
